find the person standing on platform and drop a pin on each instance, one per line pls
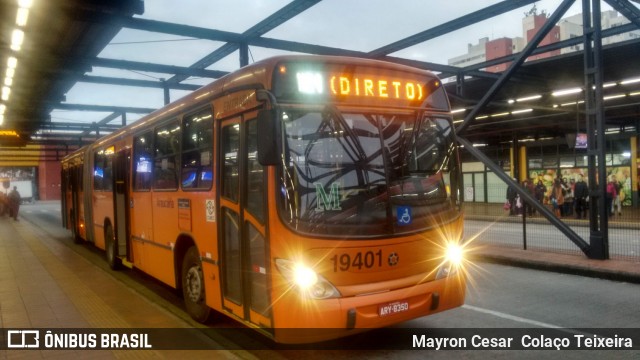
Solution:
(557, 197)
(528, 184)
(616, 200)
(568, 197)
(14, 203)
(580, 194)
(611, 194)
(540, 190)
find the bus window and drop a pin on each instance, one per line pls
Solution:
(98, 170)
(230, 146)
(197, 147)
(167, 147)
(255, 179)
(142, 155)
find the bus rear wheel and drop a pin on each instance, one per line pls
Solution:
(193, 286)
(110, 248)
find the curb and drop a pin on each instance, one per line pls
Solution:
(615, 275)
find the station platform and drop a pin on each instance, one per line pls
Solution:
(45, 283)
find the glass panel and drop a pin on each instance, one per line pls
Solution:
(468, 187)
(230, 145)
(167, 147)
(232, 264)
(259, 291)
(255, 173)
(98, 170)
(496, 188)
(479, 187)
(197, 147)
(142, 160)
(384, 173)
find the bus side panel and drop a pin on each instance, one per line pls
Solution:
(141, 227)
(102, 213)
(206, 237)
(159, 255)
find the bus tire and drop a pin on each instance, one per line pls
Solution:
(193, 290)
(110, 247)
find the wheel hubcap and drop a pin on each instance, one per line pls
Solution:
(194, 284)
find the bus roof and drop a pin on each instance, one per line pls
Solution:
(259, 73)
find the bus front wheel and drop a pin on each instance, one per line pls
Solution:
(193, 286)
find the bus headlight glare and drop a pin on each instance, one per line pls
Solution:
(304, 277)
(306, 280)
(454, 254)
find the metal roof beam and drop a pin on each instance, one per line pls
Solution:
(135, 82)
(102, 108)
(627, 9)
(155, 68)
(271, 22)
(456, 24)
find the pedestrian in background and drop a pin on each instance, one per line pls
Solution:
(528, 184)
(14, 203)
(557, 197)
(568, 197)
(580, 194)
(611, 194)
(540, 190)
(616, 200)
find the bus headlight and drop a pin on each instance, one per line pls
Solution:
(454, 254)
(453, 259)
(307, 281)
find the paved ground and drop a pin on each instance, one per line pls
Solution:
(44, 284)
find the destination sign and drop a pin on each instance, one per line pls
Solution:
(358, 85)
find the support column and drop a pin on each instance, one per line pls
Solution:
(596, 145)
(634, 171)
(524, 175)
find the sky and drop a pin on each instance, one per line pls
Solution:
(348, 24)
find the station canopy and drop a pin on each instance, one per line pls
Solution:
(76, 70)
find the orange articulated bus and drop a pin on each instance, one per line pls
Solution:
(299, 192)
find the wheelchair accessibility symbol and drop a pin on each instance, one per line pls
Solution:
(403, 214)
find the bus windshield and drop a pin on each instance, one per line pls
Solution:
(366, 174)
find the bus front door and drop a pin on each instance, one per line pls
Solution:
(243, 244)
(121, 201)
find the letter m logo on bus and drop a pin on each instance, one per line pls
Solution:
(327, 202)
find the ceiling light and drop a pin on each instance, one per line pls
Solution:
(10, 72)
(5, 93)
(630, 81)
(3, 107)
(528, 98)
(12, 62)
(17, 37)
(521, 111)
(22, 16)
(614, 96)
(25, 3)
(1, 119)
(457, 110)
(566, 92)
(8, 81)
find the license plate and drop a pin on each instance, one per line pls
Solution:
(393, 308)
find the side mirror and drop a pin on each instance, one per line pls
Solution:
(268, 131)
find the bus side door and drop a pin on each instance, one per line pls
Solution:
(243, 244)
